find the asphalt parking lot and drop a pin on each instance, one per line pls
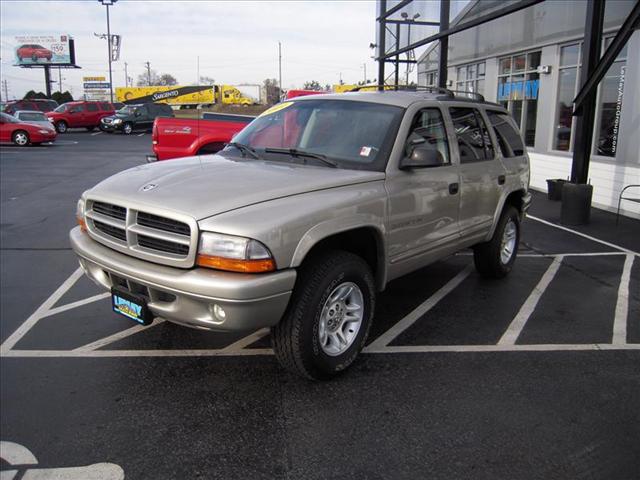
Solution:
(534, 376)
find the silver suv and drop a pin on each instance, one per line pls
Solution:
(306, 215)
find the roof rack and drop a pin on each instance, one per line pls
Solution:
(417, 88)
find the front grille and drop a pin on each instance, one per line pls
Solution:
(163, 223)
(162, 245)
(111, 231)
(110, 210)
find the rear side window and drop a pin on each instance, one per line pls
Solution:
(428, 128)
(77, 108)
(509, 139)
(474, 142)
(92, 107)
(106, 106)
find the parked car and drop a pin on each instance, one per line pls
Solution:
(34, 52)
(184, 137)
(42, 105)
(35, 118)
(83, 114)
(300, 93)
(311, 211)
(23, 134)
(135, 117)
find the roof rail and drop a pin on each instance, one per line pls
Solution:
(417, 88)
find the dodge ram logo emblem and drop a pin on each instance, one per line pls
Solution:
(149, 186)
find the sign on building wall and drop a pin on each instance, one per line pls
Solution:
(518, 90)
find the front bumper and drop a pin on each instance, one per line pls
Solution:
(109, 127)
(187, 297)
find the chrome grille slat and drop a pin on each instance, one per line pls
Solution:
(143, 234)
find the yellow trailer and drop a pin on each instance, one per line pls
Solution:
(173, 95)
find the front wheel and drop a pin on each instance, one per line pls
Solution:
(20, 138)
(61, 126)
(495, 258)
(328, 318)
(127, 128)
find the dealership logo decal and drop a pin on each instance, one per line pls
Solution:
(163, 95)
(149, 186)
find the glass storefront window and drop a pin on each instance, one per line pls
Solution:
(505, 66)
(564, 119)
(470, 78)
(519, 63)
(609, 108)
(533, 61)
(570, 55)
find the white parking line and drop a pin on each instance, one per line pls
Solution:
(593, 239)
(422, 309)
(116, 336)
(141, 134)
(79, 303)
(97, 133)
(246, 341)
(517, 324)
(504, 348)
(15, 337)
(622, 305)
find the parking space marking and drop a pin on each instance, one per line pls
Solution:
(79, 303)
(503, 348)
(593, 239)
(246, 341)
(510, 336)
(384, 339)
(20, 332)
(116, 337)
(97, 133)
(622, 305)
(141, 134)
(199, 352)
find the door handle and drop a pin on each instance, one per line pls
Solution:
(501, 179)
(453, 188)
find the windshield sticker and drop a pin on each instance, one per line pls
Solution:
(365, 151)
(276, 108)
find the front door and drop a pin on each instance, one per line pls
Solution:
(423, 202)
(77, 116)
(482, 175)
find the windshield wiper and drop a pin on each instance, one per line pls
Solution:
(244, 149)
(294, 152)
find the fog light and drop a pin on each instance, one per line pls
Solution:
(219, 312)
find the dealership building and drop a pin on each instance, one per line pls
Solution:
(529, 62)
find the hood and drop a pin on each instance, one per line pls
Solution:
(201, 187)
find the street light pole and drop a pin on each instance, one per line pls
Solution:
(108, 3)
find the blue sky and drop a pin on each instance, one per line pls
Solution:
(236, 41)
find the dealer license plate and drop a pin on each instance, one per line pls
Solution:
(131, 306)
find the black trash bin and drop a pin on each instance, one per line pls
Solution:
(576, 203)
(554, 188)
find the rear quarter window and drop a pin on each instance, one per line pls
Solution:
(509, 139)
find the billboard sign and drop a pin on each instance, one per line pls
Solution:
(93, 79)
(44, 50)
(96, 85)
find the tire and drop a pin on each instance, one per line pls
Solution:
(495, 258)
(90, 129)
(127, 128)
(61, 126)
(20, 138)
(34, 57)
(298, 339)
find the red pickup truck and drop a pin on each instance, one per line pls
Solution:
(185, 137)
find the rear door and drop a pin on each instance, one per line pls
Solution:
(423, 202)
(482, 175)
(144, 117)
(93, 115)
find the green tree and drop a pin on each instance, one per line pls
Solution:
(312, 85)
(204, 80)
(166, 79)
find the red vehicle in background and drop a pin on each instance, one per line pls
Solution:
(37, 104)
(34, 52)
(185, 137)
(83, 114)
(22, 133)
(301, 93)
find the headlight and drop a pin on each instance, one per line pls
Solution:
(234, 254)
(44, 131)
(80, 215)
(117, 121)
(51, 119)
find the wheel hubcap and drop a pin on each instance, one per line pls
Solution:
(21, 139)
(508, 244)
(341, 318)
(127, 128)
(62, 127)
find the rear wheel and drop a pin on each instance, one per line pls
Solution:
(328, 318)
(495, 258)
(20, 138)
(127, 128)
(62, 126)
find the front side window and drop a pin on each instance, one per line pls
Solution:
(62, 108)
(428, 129)
(92, 107)
(351, 133)
(33, 117)
(518, 85)
(509, 139)
(474, 142)
(106, 106)
(77, 108)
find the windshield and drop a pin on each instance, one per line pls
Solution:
(33, 117)
(62, 108)
(354, 134)
(8, 118)
(126, 110)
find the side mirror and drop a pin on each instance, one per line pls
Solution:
(422, 156)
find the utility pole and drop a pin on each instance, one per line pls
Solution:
(148, 73)
(198, 72)
(126, 75)
(108, 3)
(59, 79)
(364, 65)
(280, 67)
(6, 90)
